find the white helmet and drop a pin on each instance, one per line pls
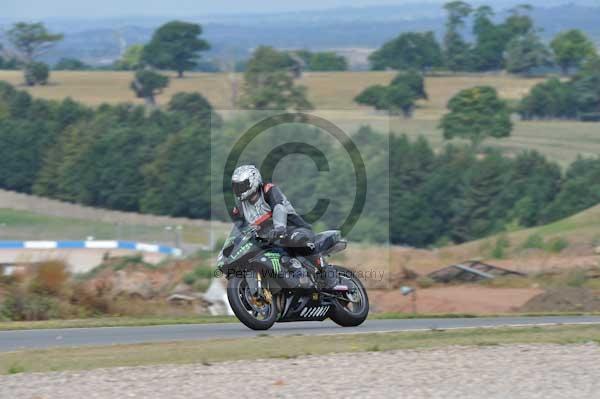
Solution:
(245, 181)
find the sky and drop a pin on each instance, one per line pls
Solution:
(37, 9)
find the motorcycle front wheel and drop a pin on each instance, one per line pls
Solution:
(353, 309)
(254, 312)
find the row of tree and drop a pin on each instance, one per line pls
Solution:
(116, 157)
(478, 112)
(577, 98)
(456, 196)
(512, 44)
(122, 157)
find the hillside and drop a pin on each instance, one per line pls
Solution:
(580, 232)
(332, 95)
(27, 217)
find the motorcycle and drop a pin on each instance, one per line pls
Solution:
(267, 283)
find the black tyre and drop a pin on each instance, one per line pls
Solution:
(255, 317)
(354, 310)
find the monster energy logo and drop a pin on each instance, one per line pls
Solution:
(274, 258)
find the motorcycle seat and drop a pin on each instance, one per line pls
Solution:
(327, 240)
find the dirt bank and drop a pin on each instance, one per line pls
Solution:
(455, 299)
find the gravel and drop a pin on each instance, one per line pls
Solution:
(506, 371)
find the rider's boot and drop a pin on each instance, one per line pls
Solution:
(328, 276)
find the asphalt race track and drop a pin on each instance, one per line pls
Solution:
(39, 339)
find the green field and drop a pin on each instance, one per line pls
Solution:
(287, 347)
(24, 225)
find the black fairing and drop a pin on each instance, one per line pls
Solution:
(244, 252)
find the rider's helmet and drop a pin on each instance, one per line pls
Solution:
(246, 180)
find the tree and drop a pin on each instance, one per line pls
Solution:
(519, 22)
(175, 45)
(586, 85)
(269, 82)
(412, 221)
(6, 61)
(193, 106)
(491, 41)
(475, 208)
(549, 99)
(571, 49)
(475, 114)
(266, 59)
(131, 59)
(400, 96)
(323, 61)
(36, 73)
(456, 49)
(21, 153)
(413, 80)
(176, 180)
(31, 40)
(70, 64)
(148, 84)
(580, 190)
(408, 51)
(534, 183)
(373, 96)
(526, 53)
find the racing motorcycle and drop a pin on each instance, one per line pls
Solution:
(267, 283)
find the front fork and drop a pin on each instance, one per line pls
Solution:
(256, 288)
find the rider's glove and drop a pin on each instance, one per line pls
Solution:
(277, 233)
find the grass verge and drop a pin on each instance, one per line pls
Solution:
(283, 347)
(112, 322)
(163, 321)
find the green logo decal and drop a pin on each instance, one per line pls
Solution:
(243, 249)
(274, 258)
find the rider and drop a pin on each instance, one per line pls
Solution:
(256, 199)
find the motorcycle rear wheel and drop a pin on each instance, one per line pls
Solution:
(252, 315)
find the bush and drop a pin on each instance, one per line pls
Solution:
(576, 278)
(130, 260)
(534, 241)
(94, 302)
(70, 64)
(590, 117)
(19, 306)
(189, 278)
(204, 272)
(50, 278)
(499, 250)
(36, 73)
(557, 245)
(15, 368)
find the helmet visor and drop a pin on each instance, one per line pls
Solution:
(240, 187)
